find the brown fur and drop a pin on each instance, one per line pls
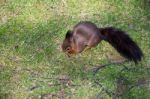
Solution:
(87, 34)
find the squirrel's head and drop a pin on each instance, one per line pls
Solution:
(68, 44)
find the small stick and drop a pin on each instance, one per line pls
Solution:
(97, 68)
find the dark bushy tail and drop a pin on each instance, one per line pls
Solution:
(122, 43)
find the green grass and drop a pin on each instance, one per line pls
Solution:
(31, 34)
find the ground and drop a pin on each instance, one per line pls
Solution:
(33, 66)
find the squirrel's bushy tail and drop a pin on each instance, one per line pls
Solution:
(122, 43)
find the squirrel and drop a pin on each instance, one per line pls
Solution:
(86, 34)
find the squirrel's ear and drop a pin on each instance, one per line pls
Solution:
(68, 34)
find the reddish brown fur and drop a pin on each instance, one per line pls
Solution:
(87, 34)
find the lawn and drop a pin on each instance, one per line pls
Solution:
(33, 66)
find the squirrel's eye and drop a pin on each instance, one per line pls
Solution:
(68, 49)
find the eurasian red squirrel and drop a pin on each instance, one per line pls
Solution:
(87, 34)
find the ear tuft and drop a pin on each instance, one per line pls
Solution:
(68, 34)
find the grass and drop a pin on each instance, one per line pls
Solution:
(31, 60)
